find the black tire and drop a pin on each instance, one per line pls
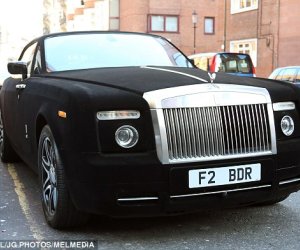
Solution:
(57, 205)
(7, 153)
(273, 201)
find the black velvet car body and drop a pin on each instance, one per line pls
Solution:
(123, 124)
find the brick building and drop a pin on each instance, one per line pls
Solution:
(268, 30)
(169, 18)
(173, 20)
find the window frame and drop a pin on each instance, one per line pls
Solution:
(235, 6)
(32, 48)
(280, 74)
(164, 23)
(213, 25)
(37, 61)
(253, 49)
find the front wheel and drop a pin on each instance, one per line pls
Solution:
(58, 207)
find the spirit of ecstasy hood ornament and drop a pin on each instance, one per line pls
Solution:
(212, 77)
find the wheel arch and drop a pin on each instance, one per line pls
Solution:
(40, 123)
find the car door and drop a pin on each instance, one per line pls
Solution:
(14, 104)
(26, 110)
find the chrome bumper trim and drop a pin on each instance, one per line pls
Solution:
(138, 199)
(289, 181)
(220, 192)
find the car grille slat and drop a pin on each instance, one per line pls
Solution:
(215, 131)
(246, 127)
(263, 147)
(240, 146)
(209, 132)
(259, 139)
(221, 131)
(250, 127)
(231, 132)
(265, 127)
(192, 129)
(242, 117)
(202, 146)
(177, 134)
(254, 126)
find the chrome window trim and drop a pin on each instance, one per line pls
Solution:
(205, 95)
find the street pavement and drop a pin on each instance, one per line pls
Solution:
(269, 227)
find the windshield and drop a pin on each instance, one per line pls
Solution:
(83, 51)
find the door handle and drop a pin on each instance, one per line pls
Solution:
(20, 86)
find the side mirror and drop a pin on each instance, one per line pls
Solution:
(19, 67)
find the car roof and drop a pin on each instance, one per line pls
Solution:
(203, 54)
(90, 32)
(211, 54)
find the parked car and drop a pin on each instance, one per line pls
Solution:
(123, 124)
(233, 63)
(288, 74)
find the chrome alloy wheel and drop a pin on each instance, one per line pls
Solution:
(49, 178)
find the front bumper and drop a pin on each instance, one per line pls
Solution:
(138, 185)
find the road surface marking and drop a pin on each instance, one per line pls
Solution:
(19, 189)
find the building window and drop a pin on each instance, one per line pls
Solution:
(209, 25)
(247, 47)
(163, 23)
(238, 6)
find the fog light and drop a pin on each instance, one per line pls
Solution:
(287, 125)
(126, 136)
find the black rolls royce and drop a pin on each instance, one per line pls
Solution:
(123, 124)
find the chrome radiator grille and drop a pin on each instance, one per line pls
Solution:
(211, 132)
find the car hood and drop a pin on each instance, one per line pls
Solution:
(144, 79)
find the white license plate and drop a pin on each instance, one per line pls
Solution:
(224, 176)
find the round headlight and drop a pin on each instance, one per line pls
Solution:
(126, 136)
(287, 125)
